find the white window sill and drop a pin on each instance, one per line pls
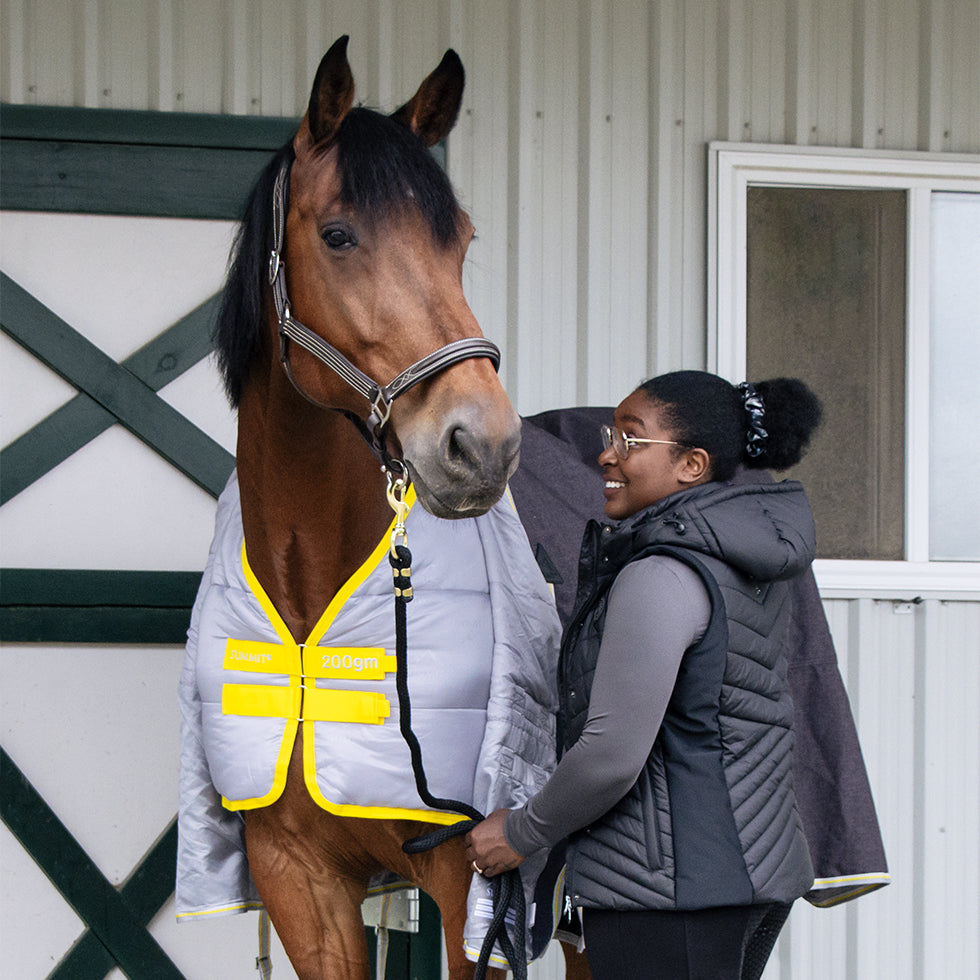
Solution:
(907, 580)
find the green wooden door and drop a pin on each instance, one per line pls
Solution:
(100, 162)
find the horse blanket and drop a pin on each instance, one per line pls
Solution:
(483, 648)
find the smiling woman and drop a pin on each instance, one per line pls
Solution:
(635, 476)
(710, 427)
(666, 696)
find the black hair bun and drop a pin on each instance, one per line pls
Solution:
(792, 414)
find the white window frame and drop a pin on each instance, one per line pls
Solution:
(732, 169)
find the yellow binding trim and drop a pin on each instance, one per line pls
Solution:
(859, 885)
(356, 580)
(876, 877)
(223, 910)
(367, 812)
(373, 710)
(291, 725)
(266, 603)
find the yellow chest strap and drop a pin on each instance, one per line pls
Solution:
(293, 698)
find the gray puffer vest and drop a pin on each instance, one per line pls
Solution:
(712, 819)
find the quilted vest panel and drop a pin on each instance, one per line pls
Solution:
(712, 819)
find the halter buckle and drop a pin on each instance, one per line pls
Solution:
(380, 411)
(274, 263)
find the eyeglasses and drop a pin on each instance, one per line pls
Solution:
(623, 443)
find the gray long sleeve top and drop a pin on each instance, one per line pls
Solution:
(658, 608)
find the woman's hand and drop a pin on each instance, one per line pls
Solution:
(487, 849)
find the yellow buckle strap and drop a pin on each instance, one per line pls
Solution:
(261, 700)
(337, 663)
(319, 704)
(364, 707)
(264, 658)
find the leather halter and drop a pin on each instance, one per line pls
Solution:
(379, 397)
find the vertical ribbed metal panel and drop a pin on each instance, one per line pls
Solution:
(581, 147)
(912, 675)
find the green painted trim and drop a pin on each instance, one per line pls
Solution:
(145, 892)
(108, 178)
(84, 587)
(108, 161)
(62, 123)
(132, 402)
(94, 624)
(65, 431)
(118, 930)
(80, 606)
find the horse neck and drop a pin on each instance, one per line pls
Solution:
(313, 502)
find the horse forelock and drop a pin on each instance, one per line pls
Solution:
(384, 169)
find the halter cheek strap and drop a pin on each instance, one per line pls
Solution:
(379, 397)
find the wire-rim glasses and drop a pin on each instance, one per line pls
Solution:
(622, 443)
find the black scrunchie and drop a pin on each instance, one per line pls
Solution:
(755, 442)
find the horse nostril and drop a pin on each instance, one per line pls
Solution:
(475, 451)
(461, 448)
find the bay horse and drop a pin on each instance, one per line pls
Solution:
(348, 268)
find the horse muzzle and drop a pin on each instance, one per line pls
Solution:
(464, 470)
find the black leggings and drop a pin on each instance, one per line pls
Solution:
(707, 944)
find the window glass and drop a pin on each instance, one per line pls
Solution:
(826, 303)
(954, 367)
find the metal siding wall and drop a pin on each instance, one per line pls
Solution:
(913, 679)
(581, 154)
(581, 147)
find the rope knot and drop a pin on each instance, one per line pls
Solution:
(400, 559)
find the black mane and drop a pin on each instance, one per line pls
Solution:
(384, 168)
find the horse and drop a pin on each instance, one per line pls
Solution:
(348, 268)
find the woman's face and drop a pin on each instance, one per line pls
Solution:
(649, 473)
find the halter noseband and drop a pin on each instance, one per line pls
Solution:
(379, 397)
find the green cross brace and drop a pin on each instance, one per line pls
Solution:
(117, 919)
(109, 385)
(80, 420)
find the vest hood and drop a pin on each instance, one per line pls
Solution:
(765, 531)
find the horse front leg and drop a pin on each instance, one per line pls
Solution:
(316, 910)
(312, 877)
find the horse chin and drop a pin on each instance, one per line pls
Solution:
(450, 501)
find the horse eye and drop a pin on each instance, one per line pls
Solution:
(338, 237)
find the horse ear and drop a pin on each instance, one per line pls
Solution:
(431, 113)
(331, 97)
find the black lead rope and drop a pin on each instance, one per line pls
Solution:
(507, 891)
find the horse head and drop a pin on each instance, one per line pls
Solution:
(373, 250)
